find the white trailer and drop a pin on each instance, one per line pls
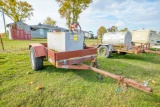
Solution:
(144, 36)
(120, 42)
(158, 39)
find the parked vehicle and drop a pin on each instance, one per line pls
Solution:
(120, 42)
(89, 35)
(66, 50)
(145, 36)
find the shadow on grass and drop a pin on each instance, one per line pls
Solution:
(87, 75)
(153, 98)
(142, 57)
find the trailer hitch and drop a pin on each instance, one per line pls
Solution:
(121, 79)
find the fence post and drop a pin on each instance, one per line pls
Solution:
(1, 42)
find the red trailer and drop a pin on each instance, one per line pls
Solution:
(74, 60)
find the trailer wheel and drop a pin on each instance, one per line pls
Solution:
(36, 63)
(104, 51)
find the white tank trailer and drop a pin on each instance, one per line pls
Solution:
(65, 41)
(118, 39)
(111, 41)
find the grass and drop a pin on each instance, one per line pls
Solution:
(23, 45)
(90, 42)
(18, 44)
(67, 88)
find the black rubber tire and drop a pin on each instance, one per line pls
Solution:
(106, 52)
(36, 63)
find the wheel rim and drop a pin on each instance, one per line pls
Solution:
(103, 52)
(32, 59)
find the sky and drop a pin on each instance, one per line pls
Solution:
(133, 14)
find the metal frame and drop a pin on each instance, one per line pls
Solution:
(75, 59)
(72, 59)
(136, 49)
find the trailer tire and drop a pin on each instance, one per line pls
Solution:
(36, 63)
(104, 51)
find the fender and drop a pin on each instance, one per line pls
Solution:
(39, 50)
(110, 47)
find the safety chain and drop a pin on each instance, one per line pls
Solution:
(121, 80)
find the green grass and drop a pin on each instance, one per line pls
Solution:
(90, 42)
(18, 44)
(67, 88)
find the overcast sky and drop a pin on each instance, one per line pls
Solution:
(133, 14)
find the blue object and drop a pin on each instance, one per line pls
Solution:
(118, 89)
(64, 62)
(146, 83)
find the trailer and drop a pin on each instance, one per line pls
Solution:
(73, 58)
(144, 36)
(120, 42)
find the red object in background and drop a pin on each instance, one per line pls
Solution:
(74, 26)
(20, 35)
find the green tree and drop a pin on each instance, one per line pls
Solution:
(113, 29)
(101, 31)
(49, 21)
(16, 10)
(159, 32)
(124, 30)
(71, 9)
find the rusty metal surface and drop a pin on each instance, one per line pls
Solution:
(51, 54)
(78, 60)
(45, 44)
(78, 53)
(136, 49)
(72, 59)
(152, 52)
(39, 49)
(67, 59)
(129, 82)
(82, 67)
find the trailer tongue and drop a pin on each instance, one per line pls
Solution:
(71, 57)
(124, 81)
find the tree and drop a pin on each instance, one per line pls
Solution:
(159, 32)
(49, 21)
(113, 29)
(124, 30)
(16, 10)
(71, 9)
(101, 31)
